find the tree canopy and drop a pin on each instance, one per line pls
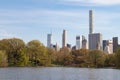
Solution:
(14, 52)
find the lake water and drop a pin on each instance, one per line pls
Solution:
(58, 73)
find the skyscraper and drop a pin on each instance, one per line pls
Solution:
(64, 38)
(78, 42)
(108, 46)
(90, 21)
(115, 44)
(49, 43)
(95, 41)
(104, 44)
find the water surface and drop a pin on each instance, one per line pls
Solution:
(58, 73)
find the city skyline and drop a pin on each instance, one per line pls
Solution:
(34, 19)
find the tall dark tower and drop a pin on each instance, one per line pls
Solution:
(115, 44)
(90, 21)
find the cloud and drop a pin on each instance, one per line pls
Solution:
(93, 2)
(7, 31)
(52, 17)
(55, 18)
(6, 34)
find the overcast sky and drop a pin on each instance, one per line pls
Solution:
(34, 19)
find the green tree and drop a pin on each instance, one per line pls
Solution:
(22, 58)
(110, 60)
(12, 47)
(64, 57)
(37, 54)
(80, 57)
(97, 58)
(52, 55)
(3, 59)
(117, 57)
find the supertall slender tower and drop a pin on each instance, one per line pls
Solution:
(90, 21)
(64, 38)
(95, 39)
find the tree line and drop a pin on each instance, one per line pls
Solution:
(15, 53)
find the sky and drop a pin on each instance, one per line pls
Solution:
(34, 19)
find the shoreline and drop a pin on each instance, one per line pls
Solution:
(63, 67)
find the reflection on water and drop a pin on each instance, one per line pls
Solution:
(58, 73)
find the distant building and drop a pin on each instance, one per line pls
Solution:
(57, 48)
(104, 44)
(64, 38)
(108, 46)
(83, 37)
(107, 49)
(84, 44)
(115, 44)
(69, 46)
(95, 41)
(90, 21)
(74, 48)
(54, 47)
(49, 43)
(78, 42)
